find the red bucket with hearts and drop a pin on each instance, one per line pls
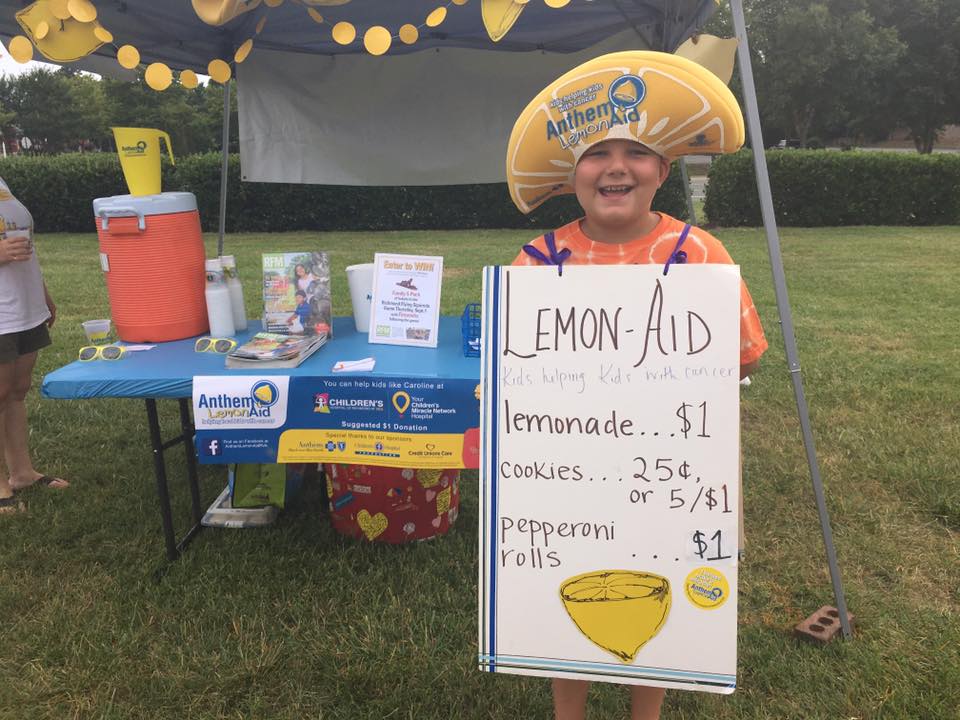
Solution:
(392, 505)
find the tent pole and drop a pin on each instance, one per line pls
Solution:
(783, 302)
(688, 192)
(224, 163)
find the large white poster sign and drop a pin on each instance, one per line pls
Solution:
(609, 479)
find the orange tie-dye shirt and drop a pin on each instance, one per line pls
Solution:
(655, 247)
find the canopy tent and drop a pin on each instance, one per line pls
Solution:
(172, 32)
(313, 110)
(382, 100)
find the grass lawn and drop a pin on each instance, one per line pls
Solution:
(294, 622)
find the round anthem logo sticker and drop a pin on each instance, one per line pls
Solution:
(707, 588)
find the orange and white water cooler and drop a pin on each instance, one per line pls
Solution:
(152, 256)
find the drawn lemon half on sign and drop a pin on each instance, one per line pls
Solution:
(617, 610)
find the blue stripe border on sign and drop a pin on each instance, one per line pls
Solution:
(492, 432)
(612, 670)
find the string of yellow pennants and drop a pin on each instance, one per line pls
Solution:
(68, 30)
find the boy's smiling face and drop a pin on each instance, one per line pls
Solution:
(615, 181)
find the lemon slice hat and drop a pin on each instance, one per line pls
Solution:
(670, 104)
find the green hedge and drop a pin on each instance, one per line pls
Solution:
(59, 191)
(813, 188)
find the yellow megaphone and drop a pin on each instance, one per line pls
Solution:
(139, 151)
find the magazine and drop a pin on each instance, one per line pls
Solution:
(275, 350)
(296, 293)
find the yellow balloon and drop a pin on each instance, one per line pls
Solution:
(409, 34)
(102, 34)
(128, 56)
(261, 23)
(20, 49)
(317, 17)
(459, 2)
(158, 76)
(59, 9)
(555, 3)
(82, 10)
(273, 3)
(436, 17)
(40, 32)
(188, 78)
(344, 33)
(377, 40)
(219, 71)
(241, 54)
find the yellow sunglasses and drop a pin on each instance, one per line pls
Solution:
(216, 345)
(101, 352)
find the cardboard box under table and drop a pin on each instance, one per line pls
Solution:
(427, 398)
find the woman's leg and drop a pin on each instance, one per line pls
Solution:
(645, 702)
(13, 428)
(6, 385)
(570, 698)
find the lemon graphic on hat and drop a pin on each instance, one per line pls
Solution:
(618, 610)
(668, 103)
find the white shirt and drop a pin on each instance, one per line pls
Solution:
(22, 303)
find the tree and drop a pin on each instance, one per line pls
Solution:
(820, 67)
(65, 110)
(924, 89)
(190, 117)
(43, 106)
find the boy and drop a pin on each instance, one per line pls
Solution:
(301, 313)
(617, 121)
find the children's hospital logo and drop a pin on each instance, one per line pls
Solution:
(627, 91)
(321, 403)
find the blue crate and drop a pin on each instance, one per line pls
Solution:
(470, 330)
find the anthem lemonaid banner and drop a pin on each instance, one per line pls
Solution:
(235, 417)
(609, 485)
(239, 402)
(387, 421)
(668, 103)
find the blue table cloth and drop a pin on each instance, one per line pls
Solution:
(167, 370)
(419, 407)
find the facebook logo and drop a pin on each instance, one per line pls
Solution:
(212, 447)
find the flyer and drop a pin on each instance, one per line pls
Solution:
(406, 299)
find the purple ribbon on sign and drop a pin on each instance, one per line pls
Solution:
(678, 256)
(555, 258)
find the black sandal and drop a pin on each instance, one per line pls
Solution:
(10, 505)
